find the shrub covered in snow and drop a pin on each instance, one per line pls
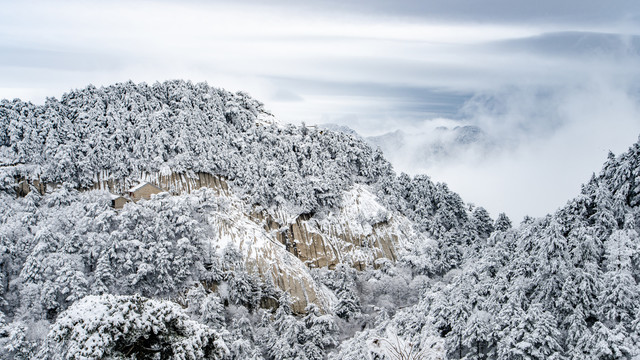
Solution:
(130, 327)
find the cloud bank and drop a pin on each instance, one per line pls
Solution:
(552, 88)
(524, 167)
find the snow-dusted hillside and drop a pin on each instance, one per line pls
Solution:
(280, 242)
(286, 204)
(127, 130)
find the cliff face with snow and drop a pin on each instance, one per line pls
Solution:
(280, 246)
(259, 222)
(307, 192)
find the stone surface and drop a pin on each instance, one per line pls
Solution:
(281, 246)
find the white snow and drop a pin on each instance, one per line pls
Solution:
(266, 119)
(137, 187)
(360, 206)
(165, 170)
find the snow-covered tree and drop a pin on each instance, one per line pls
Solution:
(503, 223)
(111, 326)
(320, 333)
(348, 304)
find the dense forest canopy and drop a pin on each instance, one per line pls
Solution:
(80, 279)
(127, 128)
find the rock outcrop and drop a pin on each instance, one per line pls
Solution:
(174, 183)
(361, 232)
(279, 245)
(282, 246)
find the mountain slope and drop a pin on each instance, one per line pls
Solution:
(291, 181)
(285, 204)
(301, 243)
(126, 129)
(562, 286)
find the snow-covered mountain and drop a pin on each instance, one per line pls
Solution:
(283, 242)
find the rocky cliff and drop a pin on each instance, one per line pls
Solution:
(280, 245)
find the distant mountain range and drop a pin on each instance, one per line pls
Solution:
(428, 146)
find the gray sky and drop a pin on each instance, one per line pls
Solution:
(552, 83)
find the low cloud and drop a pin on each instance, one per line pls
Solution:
(551, 89)
(538, 146)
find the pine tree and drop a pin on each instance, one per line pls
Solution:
(289, 333)
(477, 334)
(103, 276)
(242, 346)
(458, 312)
(348, 304)
(320, 333)
(618, 298)
(212, 311)
(503, 223)
(482, 222)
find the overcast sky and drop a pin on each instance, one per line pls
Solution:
(552, 83)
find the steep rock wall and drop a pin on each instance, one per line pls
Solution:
(361, 232)
(174, 183)
(266, 256)
(280, 245)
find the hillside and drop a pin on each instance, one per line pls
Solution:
(283, 242)
(127, 129)
(562, 286)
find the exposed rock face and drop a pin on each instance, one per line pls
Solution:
(360, 233)
(175, 183)
(280, 245)
(266, 256)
